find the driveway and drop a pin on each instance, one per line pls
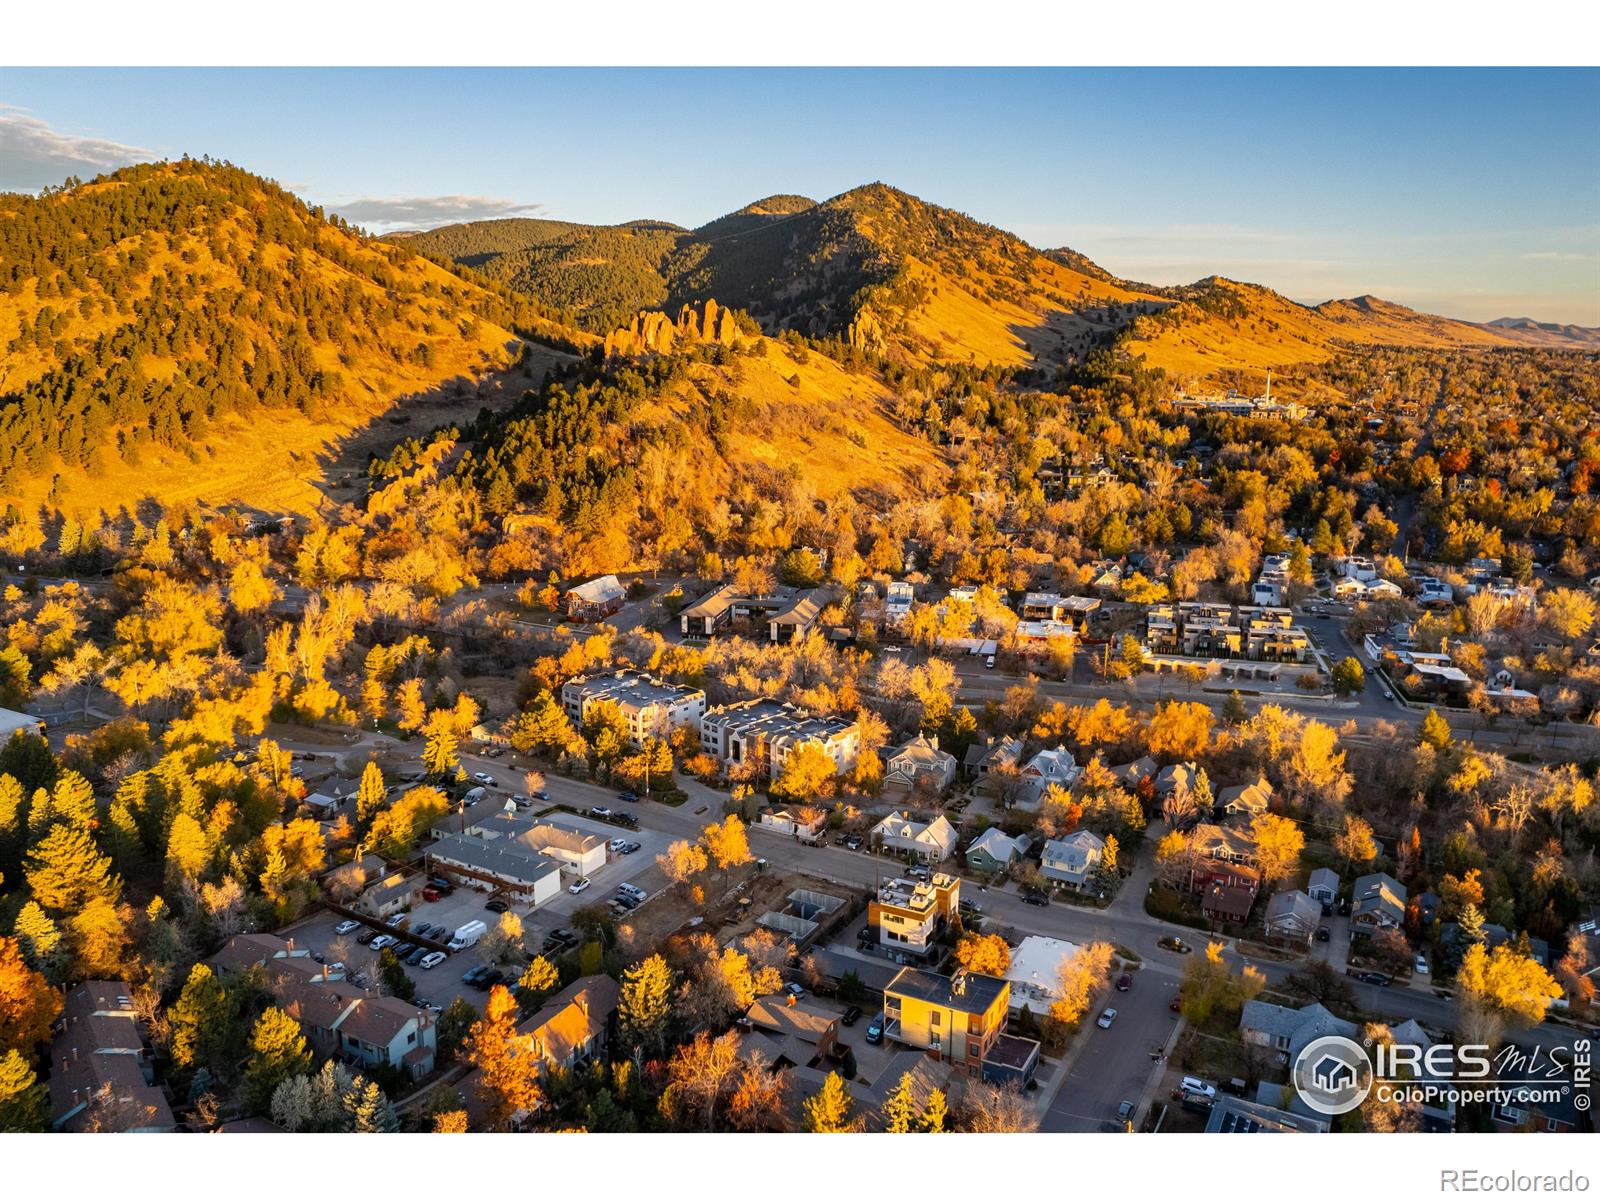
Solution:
(1114, 1064)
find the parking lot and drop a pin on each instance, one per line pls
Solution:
(443, 983)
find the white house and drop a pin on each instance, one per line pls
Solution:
(1035, 972)
(932, 841)
(12, 722)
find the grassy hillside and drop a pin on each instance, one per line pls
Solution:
(189, 329)
(633, 464)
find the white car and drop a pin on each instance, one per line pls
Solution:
(378, 943)
(344, 927)
(1421, 964)
(1106, 1018)
(433, 960)
(581, 886)
(618, 845)
(483, 777)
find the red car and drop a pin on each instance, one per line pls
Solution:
(1176, 1005)
(430, 894)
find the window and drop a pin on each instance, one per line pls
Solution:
(936, 1019)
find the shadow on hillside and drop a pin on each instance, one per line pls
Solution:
(1066, 337)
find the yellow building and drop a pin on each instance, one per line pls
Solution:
(958, 1017)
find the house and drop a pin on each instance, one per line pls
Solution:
(1035, 973)
(1223, 856)
(1377, 901)
(803, 824)
(931, 842)
(1289, 1030)
(955, 1018)
(909, 915)
(992, 852)
(13, 722)
(1132, 775)
(803, 1033)
(573, 1028)
(1050, 768)
(761, 734)
(1323, 886)
(595, 600)
(791, 622)
(984, 758)
(499, 863)
(920, 764)
(1072, 861)
(1228, 902)
(1535, 1099)
(651, 707)
(1170, 778)
(390, 894)
(1245, 800)
(573, 847)
(1231, 1114)
(102, 1075)
(1293, 916)
(337, 1018)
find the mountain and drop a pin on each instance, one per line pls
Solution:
(920, 283)
(189, 331)
(1547, 333)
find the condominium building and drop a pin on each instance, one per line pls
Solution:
(909, 915)
(765, 733)
(652, 707)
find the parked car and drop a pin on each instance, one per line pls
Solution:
(497, 906)
(1421, 964)
(628, 819)
(875, 1031)
(473, 974)
(344, 927)
(854, 842)
(628, 903)
(396, 921)
(1106, 1018)
(430, 894)
(441, 885)
(367, 938)
(601, 811)
(1176, 1004)
(433, 959)
(382, 941)
(632, 848)
(850, 1016)
(1124, 981)
(1198, 1088)
(581, 885)
(794, 989)
(630, 797)
(1125, 1109)
(1376, 978)
(615, 845)
(922, 874)
(988, 662)
(1344, 908)
(483, 777)
(414, 959)
(1327, 909)
(1322, 934)
(842, 840)
(1037, 899)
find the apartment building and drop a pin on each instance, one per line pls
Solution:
(955, 1018)
(765, 733)
(652, 707)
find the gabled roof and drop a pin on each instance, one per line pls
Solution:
(599, 591)
(997, 844)
(798, 1019)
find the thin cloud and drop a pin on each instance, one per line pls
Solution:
(35, 155)
(1556, 256)
(425, 212)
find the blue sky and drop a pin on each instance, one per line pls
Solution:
(1466, 192)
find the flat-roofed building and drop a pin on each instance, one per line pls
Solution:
(908, 915)
(955, 1018)
(652, 707)
(764, 733)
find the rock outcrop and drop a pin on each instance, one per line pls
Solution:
(656, 333)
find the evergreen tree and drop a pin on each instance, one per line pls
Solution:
(41, 942)
(936, 1111)
(277, 1052)
(371, 1112)
(66, 871)
(646, 1004)
(829, 1111)
(900, 1108)
(1435, 732)
(1233, 709)
(24, 1103)
(202, 1022)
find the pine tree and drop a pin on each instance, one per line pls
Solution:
(829, 1110)
(24, 1103)
(277, 1052)
(1435, 732)
(371, 1112)
(1233, 709)
(370, 794)
(66, 871)
(646, 1004)
(41, 941)
(201, 1021)
(900, 1108)
(936, 1111)
(1470, 922)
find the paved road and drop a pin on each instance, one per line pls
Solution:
(1115, 1064)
